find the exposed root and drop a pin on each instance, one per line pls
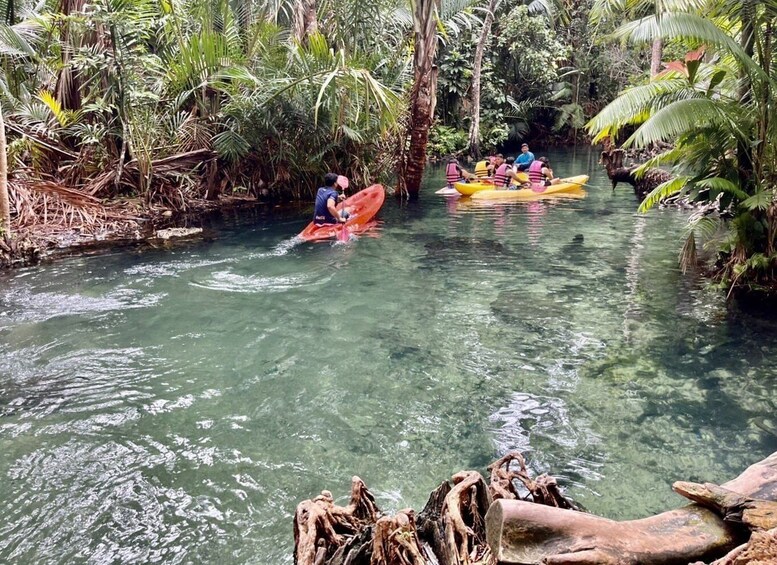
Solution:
(760, 550)
(543, 490)
(450, 530)
(396, 541)
(320, 526)
(463, 512)
(612, 159)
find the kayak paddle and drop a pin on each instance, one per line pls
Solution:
(343, 235)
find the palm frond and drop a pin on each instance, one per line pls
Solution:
(688, 26)
(676, 119)
(718, 184)
(761, 200)
(663, 190)
(632, 106)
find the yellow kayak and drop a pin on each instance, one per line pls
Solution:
(470, 188)
(568, 185)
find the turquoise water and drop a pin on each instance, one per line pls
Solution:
(174, 405)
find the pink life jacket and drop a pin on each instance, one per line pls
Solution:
(500, 176)
(535, 172)
(452, 173)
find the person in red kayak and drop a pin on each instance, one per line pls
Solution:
(327, 197)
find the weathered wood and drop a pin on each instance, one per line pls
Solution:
(523, 533)
(731, 506)
(463, 511)
(760, 550)
(321, 527)
(431, 527)
(395, 540)
(543, 490)
(760, 514)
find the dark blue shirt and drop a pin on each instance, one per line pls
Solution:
(321, 213)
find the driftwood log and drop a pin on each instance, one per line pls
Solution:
(759, 516)
(523, 533)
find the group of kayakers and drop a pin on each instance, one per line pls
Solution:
(508, 173)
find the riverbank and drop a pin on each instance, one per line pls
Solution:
(100, 226)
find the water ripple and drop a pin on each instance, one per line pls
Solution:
(225, 281)
(543, 427)
(29, 306)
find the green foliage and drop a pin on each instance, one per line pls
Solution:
(531, 51)
(717, 111)
(445, 140)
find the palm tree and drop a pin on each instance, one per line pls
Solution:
(423, 95)
(5, 208)
(305, 19)
(606, 9)
(716, 106)
(477, 65)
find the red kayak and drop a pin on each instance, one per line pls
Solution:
(364, 205)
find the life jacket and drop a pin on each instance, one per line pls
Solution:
(452, 173)
(535, 172)
(481, 169)
(500, 176)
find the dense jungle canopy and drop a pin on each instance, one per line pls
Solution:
(143, 103)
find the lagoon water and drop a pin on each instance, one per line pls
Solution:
(174, 405)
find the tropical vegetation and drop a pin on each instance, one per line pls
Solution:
(117, 108)
(163, 103)
(715, 104)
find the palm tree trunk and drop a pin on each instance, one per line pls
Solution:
(477, 65)
(305, 19)
(744, 151)
(68, 85)
(423, 97)
(5, 206)
(656, 54)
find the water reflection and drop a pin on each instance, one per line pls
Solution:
(535, 212)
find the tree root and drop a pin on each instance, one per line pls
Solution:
(395, 540)
(320, 527)
(612, 159)
(463, 517)
(450, 530)
(461, 526)
(543, 490)
(760, 550)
